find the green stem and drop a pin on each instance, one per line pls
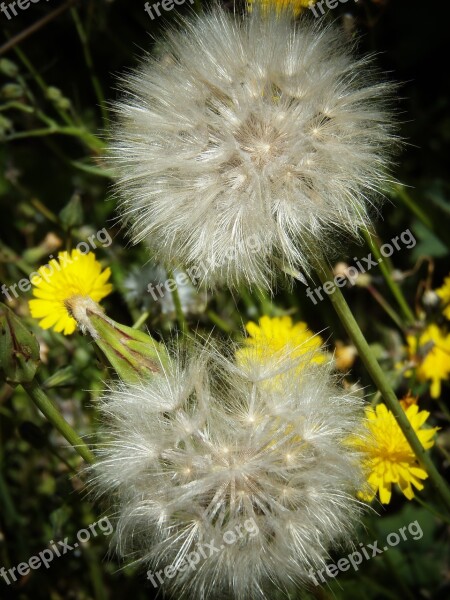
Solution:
(248, 301)
(375, 399)
(178, 307)
(392, 284)
(392, 567)
(85, 136)
(46, 212)
(413, 206)
(267, 306)
(17, 106)
(8, 255)
(444, 409)
(40, 82)
(386, 306)
(217, 320)
(444, 452)
(379, 378)
(92, 169)
(432, 510)
(90, 65)
(144, 316)
(46, 406)
(8, 507)
(92, 141)
(95, 572)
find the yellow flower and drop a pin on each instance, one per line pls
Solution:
(297, 6)
(387, 454)
(72, 274)
(273, 335)
(431, 351)
(444, 294)
(344, 356)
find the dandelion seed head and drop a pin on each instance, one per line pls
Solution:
(202, 449)
(256, 128)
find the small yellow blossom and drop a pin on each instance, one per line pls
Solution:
(272, 336)
(387, 454)
(72, 274)
(444, 294)
(344, 356)
(297, 6)
(431, 352)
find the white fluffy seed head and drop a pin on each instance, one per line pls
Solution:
(249, 143)
(208, 448)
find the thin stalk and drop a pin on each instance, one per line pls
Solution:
(41, 83)
(17, 106)
(91, 169)
(217, 320)
(376, 399)
(392, 567)
(248, 300)
(391, 283)
(414, 207)
(8, 255)
(444, 452)
(90, 140)
(95, 572)
(444, 409)
(90, 65)
(61, 458)
(386, 306)
(25, 33)
(178, 307)
(46, 212)
(8, 507)
(266, 304)
(144, 316)
(380, 380)
(46, 406)
(432, 510)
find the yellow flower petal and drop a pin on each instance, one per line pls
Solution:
(431, 352)
(274, 335)
(72, 274)
(387, 456)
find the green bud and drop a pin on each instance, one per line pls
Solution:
(72, 214)
(11, 91)
(5, 125)
(133, 354)
(19, 349)
(54, 94)
(63, 377)
(8, 68)
(63, 103)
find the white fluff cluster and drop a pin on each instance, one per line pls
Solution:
(252, 128)
(207, 448)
